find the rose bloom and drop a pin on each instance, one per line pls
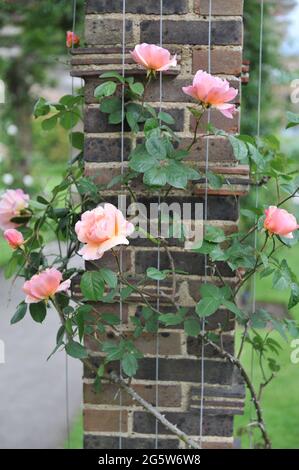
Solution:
(44, 285)
(12, 202)
(101, 229)
(14, 238)
(212, 92)
(153, 58)
(280, 222)
(72, 39)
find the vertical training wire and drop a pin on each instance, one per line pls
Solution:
(158, 254)
(67, 392)
(202, 379)
(122, 172)
(258, 131)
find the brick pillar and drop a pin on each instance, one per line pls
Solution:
(185, 31)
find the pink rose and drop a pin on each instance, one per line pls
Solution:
(12, 203)
(280, 222)
(101, 229)
(14, 238)
(153, 58)
(72, 39)
(212, 92)
(44, 285)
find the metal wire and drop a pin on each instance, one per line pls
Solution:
(122, 172)
(67, 392)
(258, 131)
(202, 368)
(158, 254)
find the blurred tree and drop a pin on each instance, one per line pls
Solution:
(273, 73)
(33, 34)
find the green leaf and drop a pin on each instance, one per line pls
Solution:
(215, 181)
(166, 117)
(155, 176)
(111, 105)
(105, 89)
(50, 123)
(171, 319)
(156, 147)
(92, 285)
(77, 140)
(76, 350)
(214, 234)
(293, 119)
(132, 120)
(294, 298)
(110, 318)
(282, 278)
(239, 148)
(113, 74)
(129, 364)
(38, 311)
(115, 117)
(41, 108)
(207, 306)
(109, 277)
(192, 327)
(210, 290)
(140, 160)
(176, 176)
(137, 88)
(233, 308)
(68, 119)
(154, 273)
(19, 314)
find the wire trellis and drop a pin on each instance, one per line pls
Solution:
(258, 131)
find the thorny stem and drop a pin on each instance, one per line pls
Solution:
(254, 397)
(113, 377)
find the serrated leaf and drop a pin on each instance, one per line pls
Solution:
(92, 285)
(105, 89)
(192, 327)
(19, 314)
(76, 350)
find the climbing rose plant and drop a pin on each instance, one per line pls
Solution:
(85, 225)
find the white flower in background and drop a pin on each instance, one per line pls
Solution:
(12, 130)
(8, 179)
(28, 180)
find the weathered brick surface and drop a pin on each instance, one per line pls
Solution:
(193, 263)
(194, 346)
(112, 442)
(106, 31)
(169, 395)
(187, 422)
(137, 6)
(95, 121)
(193, 32)
(219, 7)
(172, 86)
(179, 375)
(179, 370)
(104, 420)
(223, 61)
(98, 149)
(219, 121)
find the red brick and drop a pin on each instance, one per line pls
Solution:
(105, 420)
(219, 7)
(224, 60)
(169, 395)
